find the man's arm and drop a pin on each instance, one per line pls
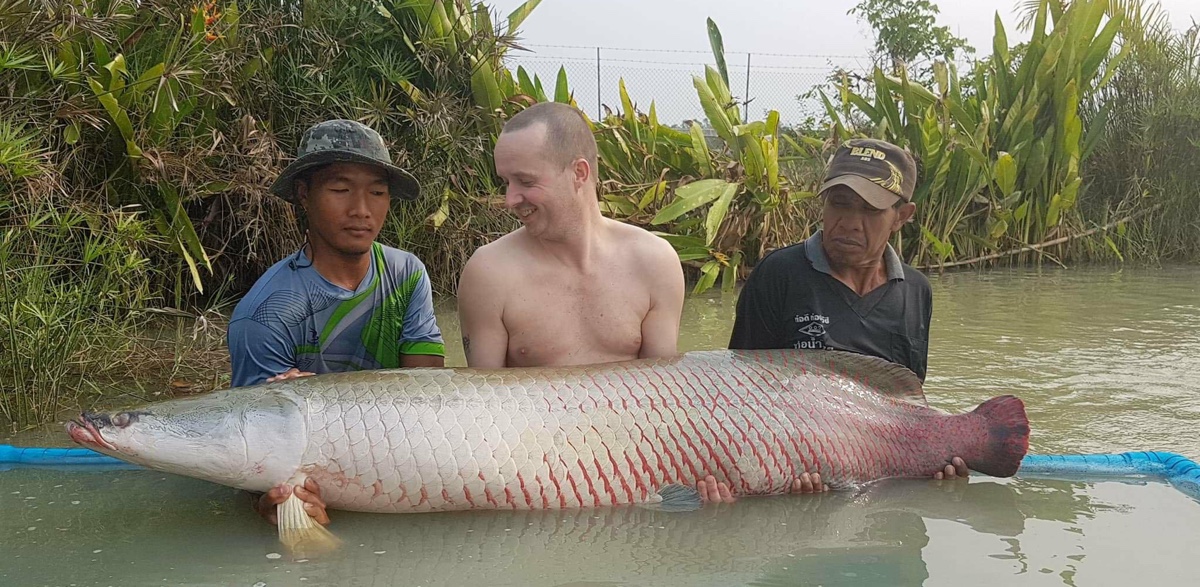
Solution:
(660, 327)
(926, 324)
(409, 361)
(257, 352)
(758, 307)
(481, 312)
(421, 342)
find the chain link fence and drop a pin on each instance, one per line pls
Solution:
(761, 82)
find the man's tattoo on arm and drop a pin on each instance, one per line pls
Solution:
(466, 344)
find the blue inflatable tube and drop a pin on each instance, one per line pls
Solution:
(71, 458)
(1179, 471)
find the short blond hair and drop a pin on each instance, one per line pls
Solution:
(568, 136)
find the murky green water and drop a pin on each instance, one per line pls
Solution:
(1106, 361)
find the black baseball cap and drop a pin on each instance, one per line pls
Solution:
(344, 141)
(879, 172)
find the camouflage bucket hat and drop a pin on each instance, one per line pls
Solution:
(344, 141)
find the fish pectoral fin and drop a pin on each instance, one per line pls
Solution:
(299, 533)
(675, 498)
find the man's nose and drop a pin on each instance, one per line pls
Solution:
(359, 207)
(512, 197)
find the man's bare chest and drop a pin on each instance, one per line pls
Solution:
(565, 323)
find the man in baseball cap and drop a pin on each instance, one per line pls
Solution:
(845, 288)
(342, 301)
(879, 172)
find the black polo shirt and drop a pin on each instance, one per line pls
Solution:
(792, 300)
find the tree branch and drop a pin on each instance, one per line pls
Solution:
(1039, 246)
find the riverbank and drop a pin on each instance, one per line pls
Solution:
(1106, 358)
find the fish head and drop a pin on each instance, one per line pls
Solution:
(247, 439)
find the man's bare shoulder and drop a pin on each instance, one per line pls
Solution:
(499, 256)
(646, 248)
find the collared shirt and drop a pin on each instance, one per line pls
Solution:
(816, 256)
(792, 300)
(294, 317)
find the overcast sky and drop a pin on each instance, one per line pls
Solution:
(794, 27)
(771, 26)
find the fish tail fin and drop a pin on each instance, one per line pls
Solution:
(299, 532)
(1007, 436)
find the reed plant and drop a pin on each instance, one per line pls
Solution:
(1001, 146)
(1148, 161)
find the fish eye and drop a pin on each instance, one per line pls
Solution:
(121, 420)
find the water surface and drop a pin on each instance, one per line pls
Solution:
(1105, 360)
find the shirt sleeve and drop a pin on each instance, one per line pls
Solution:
(257, 352)
(927, 295)
(926, 320)
(756, 322)
(421, 335)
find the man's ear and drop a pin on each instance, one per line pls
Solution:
(301, 189)
(907, 210)
(582, 170)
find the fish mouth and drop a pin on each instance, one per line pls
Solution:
(83, 430)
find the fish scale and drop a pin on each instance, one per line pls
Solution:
(419, 440)
(614, 434)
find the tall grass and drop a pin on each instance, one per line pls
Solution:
(1150, 155)
(73, 278)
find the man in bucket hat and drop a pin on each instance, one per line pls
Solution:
(342, 301)
(845, 288)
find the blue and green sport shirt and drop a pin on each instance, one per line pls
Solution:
(294, 317)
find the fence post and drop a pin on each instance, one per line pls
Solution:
(599, 113)
(747, 98)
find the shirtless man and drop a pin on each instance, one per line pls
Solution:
(570, 287)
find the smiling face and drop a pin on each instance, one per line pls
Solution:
(856, 233)
(346, 204)
(546, 195)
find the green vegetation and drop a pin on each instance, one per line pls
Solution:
(1001, 149)
(719, 207)
(905, 32)
(1148, 160)
(137, 143)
